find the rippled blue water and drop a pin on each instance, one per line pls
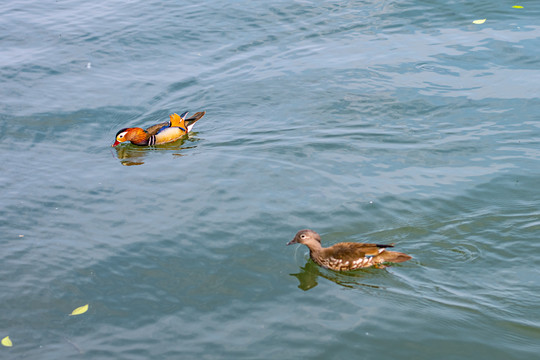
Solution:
(382, 121)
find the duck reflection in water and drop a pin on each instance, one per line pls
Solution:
(309, 274)
(130, 155)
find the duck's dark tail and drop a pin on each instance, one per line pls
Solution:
(193, 119)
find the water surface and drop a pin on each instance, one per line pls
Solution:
(380, 121)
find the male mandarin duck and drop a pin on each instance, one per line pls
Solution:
(348, 255)
(163, 133)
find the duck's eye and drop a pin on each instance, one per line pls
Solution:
(303, 236)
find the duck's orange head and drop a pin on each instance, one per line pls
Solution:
(121, 136)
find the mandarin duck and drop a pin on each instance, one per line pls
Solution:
(348, 255)
(162, 133)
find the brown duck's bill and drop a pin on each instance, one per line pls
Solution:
(293, 241)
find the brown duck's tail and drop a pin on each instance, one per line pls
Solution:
(393, 257)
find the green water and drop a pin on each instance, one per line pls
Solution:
(389, 122)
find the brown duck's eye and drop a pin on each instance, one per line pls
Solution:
(303, 236)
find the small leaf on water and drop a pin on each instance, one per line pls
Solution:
(517, 7)
(80, 310)
(7, 342)
(479, 21)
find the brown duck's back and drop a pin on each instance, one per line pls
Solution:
(353, 250)
(352, 256)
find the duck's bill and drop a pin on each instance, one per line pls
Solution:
(115, 143)
(293, 241)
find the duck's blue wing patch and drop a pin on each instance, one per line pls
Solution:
(162, 128)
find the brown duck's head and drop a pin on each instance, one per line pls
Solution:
(305, 237)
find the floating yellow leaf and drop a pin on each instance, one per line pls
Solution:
(517, 7)
(80, 310)
(479, 21)
(7, 342)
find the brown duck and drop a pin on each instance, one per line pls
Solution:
(348, 255)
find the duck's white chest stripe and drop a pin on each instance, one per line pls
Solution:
(152, 140)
